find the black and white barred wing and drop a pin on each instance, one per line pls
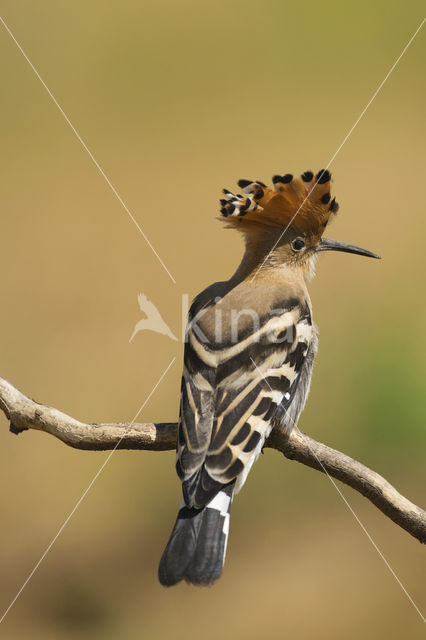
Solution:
(229, 397)
(195, 423)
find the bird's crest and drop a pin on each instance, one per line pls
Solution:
(303, 203)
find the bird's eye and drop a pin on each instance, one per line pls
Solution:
(298, 244)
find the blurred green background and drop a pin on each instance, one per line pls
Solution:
(177, 100)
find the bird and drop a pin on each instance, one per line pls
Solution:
(250, 344)
(153, 321)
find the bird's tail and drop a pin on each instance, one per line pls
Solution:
(197, 546)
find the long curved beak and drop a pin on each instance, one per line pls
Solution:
(334, 245)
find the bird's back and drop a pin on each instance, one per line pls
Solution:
(244, 354)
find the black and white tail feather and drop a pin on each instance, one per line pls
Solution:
(197, 546)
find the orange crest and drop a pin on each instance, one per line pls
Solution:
(303, 204)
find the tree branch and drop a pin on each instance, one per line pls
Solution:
(25, 413)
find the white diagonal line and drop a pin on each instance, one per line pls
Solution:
(84, 494)
(90, 154)
(333, 482)
(345, 138)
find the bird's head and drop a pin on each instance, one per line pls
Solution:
(285, 225)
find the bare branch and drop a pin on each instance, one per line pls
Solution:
(298, 446)
(25, 413)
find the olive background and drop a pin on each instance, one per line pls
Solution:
(177, 100)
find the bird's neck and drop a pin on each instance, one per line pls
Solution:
(262, 261)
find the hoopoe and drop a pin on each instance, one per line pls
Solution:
(250, 347)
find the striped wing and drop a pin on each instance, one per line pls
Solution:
(230, 393)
